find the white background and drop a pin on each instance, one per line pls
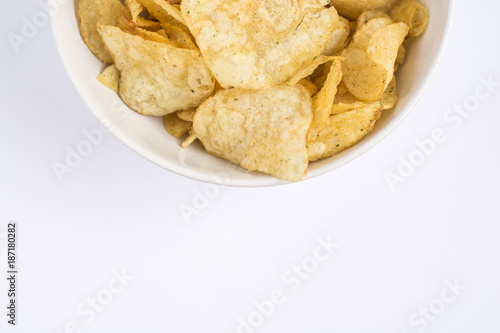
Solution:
(118, 213)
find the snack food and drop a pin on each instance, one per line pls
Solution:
(268, 85)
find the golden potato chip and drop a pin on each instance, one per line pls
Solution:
(187, 115)
(110, 77)
(370, 15)
(339, 39)
(311, 87)
(259, 44)
(342, 131)
(136, 9)
(370, 58)
(308, 69)
(346, 101)
(132, 28)
(262, 130)
(157, 78)
(92, 12)
(176, 126)
(351, 9)
(323, 100)
(179, 36)
(163, 11)
(413, 13)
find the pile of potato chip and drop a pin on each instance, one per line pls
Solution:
(269, 85)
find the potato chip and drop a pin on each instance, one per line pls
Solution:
(132, 28)
(157, 78)
(110, 77)
(187, 115)
(176, 126)
(342, 131)
(308, 69)
(413, 13)
(92, 12)
(311, 87)
(339, 39)
(351, 9)
(259, 44)
(179, 36)
(136, 9)
(370, 15)
(323, 100)
(262, 130)
(370, 58)
(163, 11)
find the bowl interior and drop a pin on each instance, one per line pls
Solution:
(146, 135)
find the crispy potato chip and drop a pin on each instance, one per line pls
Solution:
(157, 78)
(370, 58)
(259, 44)
(132, 28)
(342, 131)
(323, 100)
(351, 9)
(187, 115)
(339, 39)
(311, 87)
(110, 77)
(370, 15)
(308, 69)
(92, 12)
(413, 13)
(176, 126)
(136, 9)
(262, 130)
(346, 101)
(163, 11)
(179, 36)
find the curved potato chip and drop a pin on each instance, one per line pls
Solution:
(323, 100)
(370, 15)
(342, 131)
(413, 13)
(187, 115)
(163, 11)
(157, 78)
(136, 9)
(133, 29)
(351, 9)
(110, 77)
(259, 44)
(370, 58)
(176, 126)
(262, 130)
(311, 87)
(179, 36)
(308, 69)
(339, 39)
(92, 12)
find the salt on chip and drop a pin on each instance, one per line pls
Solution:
(323, 100)
(342, 131)
(176, 126)
(413, 13)
(262, 130)
(351, 9)
(370, 58)
(110, 77)
(92, 12)
(157, 78)
(259, 44)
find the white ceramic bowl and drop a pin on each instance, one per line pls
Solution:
(146, 136)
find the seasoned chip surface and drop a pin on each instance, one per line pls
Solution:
(157, 78)
(259, 44)
(262, 130)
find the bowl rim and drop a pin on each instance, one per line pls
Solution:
(361, 148)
